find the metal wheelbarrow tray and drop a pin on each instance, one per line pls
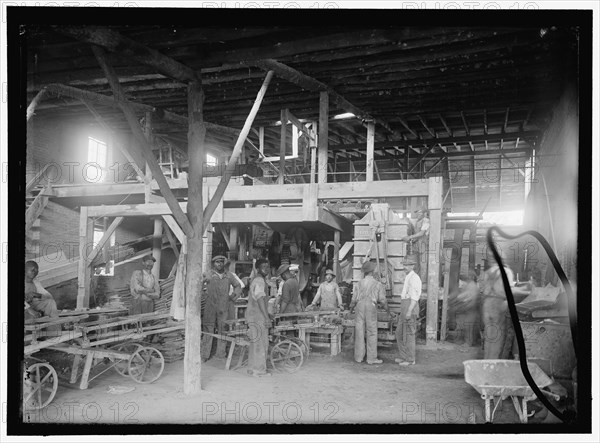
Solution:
(500, 379)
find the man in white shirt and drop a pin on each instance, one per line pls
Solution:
(409, 306)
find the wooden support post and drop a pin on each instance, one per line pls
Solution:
(336, 254)
(456, 258)
(157, 246)
(148, 177)
(193, 285)
(282, 140)
(472, 247)
(229, 170)
(323, 135)
(444, 323)
(207, 241)
(86, 236)
(313, 153)
(433, 263)
(370, 150)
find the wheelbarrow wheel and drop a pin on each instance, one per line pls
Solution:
(121, 366)
(40, 383)
(146, 365)
(302, 345)
(286, 356)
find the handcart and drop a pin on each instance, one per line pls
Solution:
(499, 379)
(102, 344)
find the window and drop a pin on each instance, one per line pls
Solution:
(97, 161)
(211, 160)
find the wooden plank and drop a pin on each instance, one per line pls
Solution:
(172, 242)
(387, 188)
(370, 150)
(309, 202)
(313, 154)
(230, 169)
(98, 189)
(323, 139)
(107, 234)
(174, 226)
(157, 246)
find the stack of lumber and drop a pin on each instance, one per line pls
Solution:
(171, 345)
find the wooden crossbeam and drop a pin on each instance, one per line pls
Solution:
(113, 226)
(146, 152)
(402, 144)
(115, 42)
(311, 84)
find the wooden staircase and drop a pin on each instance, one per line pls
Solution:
(36, 199)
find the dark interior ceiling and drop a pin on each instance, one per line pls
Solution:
(443, 94)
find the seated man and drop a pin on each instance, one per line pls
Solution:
(38, 301)
(328, 294)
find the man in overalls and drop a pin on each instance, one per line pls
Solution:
(258, 320)
(328, 294)
(368, 294)
(219, 299)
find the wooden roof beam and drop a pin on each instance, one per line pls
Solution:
(115, 42)
(105, 100)
(311, 84)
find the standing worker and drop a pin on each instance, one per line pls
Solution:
(290, 291)
(494, 310)
(369, 293)
(328, 293)
(219, 304)
(259, 321)
(409, 309)
(421, 236)
(144, 287)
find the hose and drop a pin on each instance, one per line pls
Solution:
(567, 417)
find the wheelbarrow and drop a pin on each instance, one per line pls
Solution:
(499, 379)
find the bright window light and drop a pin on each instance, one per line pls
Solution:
(505, 218)
(211, 160)
(344, 116)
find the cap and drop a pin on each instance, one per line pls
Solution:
(261, 261)
(148, 257)
(294, 267)
(219, 257)
(329, 271)
(282, 269)
(368, 266)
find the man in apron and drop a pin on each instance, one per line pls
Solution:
(144, 288)
(328, 294)
(368, 294)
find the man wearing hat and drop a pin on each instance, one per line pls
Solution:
(421, 237)
(328, 293)
(144, 287)
(367, 295)
(409, 310)
(219, 304)
(290, 291)
(498, 331)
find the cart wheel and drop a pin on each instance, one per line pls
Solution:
(286, 356)
(122, 365)
(302, 345)
(146, 365)
(40, 383)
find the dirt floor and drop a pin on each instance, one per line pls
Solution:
(326, 389)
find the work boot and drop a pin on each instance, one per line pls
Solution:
(375, 362)
(406, 363)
